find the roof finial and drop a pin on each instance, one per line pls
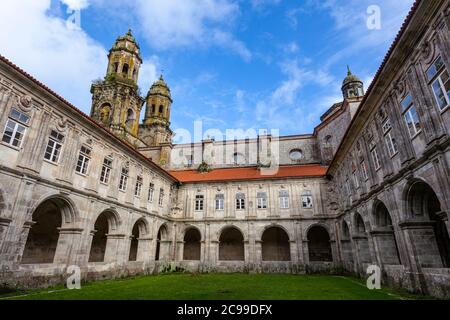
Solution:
(349, 73)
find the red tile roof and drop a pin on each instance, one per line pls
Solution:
(250, 173)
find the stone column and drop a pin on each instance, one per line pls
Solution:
(4, 226)
(23, 240)
(144, 249)
(423, 243)
(258, 256)
(294, 253)
(114, 244)
(68, 245)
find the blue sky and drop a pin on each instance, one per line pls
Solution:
(274, 64)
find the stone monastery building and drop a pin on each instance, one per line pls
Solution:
(370, 185)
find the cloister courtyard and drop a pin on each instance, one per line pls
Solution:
(218, 287)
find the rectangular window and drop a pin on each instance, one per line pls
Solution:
(83, 160)
(138, 188)
(364, 170)
(161, 197)
(190, 161)
(54, 146)
(391, 144)
(106, 170)
(307, 200)
(15, 128)
(151, 192)
(387, 126)
(355, 179)
(220, 200)
(375, 158)
(261, 199)
(199, 202)
(284, 199)
(240, 201)
(440, 83)
(411, 116)
(123, 179)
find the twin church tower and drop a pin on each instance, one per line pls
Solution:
(117, 103)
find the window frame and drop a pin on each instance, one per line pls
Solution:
(85, 158)
(437, 78)
(240, 201)
(151, 192)
(307, 195)
(161, 197)
(105, 174)
(375, 158)
(123, 181)
(19, 120)
(199, 203)
(283, 198)
(220, 202)
(55, 152)
(261, 201)
(138, 186)
(407, 112)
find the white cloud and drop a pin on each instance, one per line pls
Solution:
(63, 57)
(169, 24)
(226, 40)
(56, 52)
(76, 4)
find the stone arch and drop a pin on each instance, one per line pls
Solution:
(231, 244)
(105, 112)
(125, 70)
(130, 119)
(424, 208)
(105, 224)
(319, 244)
(346, 244)
(140, 229)
(192, 244)
(44, 235)
(162, 243)
(359, 224)
(383, 233)
(360, 238)
(275, 244)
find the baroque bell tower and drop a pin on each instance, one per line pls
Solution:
(116, 102)
(155, 132)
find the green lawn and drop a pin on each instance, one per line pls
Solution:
(220, 287)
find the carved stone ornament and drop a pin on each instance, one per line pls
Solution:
(428, 50)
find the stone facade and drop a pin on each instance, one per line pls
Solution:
(76, 191)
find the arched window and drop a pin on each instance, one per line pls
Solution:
(100, 239)
(105, 113)
(347, 250)
(319, 245)
(275, 245)
(125, 70)
(192, 245)
(130, 118)
(359, 224)
(139, 230)
(423, 204)
(385, 235)
(44, 235)
(231, 245)
(162, 244)
(161, 109)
